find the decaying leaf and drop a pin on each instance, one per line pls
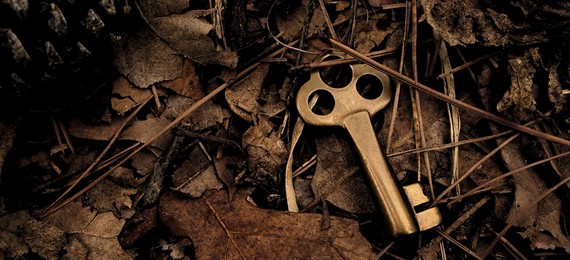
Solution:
(520, 96)
(493, 23)
(206, 116)
(543, 217)
(101, 132)
(369, 35)
(144, 59)
(187, 84)
(186, 31)
(266, 152)
(223, 230)
(110, 197)
(195, 175)
(555, 91)
(244, 98)
(129, 96)
(142, 131)
(292, 23)
(91, 233)
(20, 234)
(335, 161)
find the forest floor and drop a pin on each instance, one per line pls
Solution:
(197, 150)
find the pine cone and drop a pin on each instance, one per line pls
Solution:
(56, 54)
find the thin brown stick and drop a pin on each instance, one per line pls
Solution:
(455, 102)
(468, 64)
(458, 244)
(100, 157)
(181, 117)
(155, 94)
(328, 19)
(66, 137)
(375, 54)
(472, 169)
(58, 135)
(384, 250)
(502, 176)
(450, 145)
(522, 212)
(509, 246)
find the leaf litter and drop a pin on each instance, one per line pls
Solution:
(177, 53)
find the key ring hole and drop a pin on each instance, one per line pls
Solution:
(369, 86)
(325, 102)
(337, 76)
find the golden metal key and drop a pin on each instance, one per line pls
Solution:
(352, 110)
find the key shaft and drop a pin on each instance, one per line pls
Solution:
(388, 193)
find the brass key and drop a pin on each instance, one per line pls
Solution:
(352, 111)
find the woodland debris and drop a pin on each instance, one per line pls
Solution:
(241, 230)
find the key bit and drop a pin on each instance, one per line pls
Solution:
(352, 110)
(428, 218)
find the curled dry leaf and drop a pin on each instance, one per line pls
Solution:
(520, 96)
(223, 230)
(493, 23)
(336, 162)
(555, 91)
(266, 153)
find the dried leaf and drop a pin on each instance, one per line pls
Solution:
(369, 35)
(21, 234)
(187, 84)
(206, 116)
(108, 196)
(291, 23)
(195, 175)
(129, 96)
(555, 92)
(242, 97)
(520, 94)
(144, 59)
(545, 216)
(102, 132)
(143, 162)
(464, 23)
(142, 131)
(89, 231)
(259, 233)
(335, 161)
(267, 152)
(188, 34)
(225, 175)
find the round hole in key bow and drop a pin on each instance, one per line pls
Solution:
(369, 86)
(336, 76)
(324, 104)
